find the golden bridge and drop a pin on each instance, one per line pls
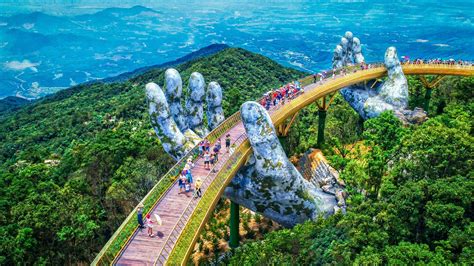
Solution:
(185, 217)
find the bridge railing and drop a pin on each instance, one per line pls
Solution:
(129, 226)
(438, 65)
(183, 246)
(127, 229)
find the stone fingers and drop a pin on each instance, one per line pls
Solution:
(337, 60)
(215, 113)
(190, 119)
(174, 90)
(394, 91)
(348, 51)
(357, 51)
(171, 137)
(195, 104)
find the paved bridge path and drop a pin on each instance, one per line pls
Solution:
(144, 250)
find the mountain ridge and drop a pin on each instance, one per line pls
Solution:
(205, 51)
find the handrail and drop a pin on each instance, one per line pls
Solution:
(191, 204)
(169, 176)
(208, 202)
(372, 72)
(103, 257)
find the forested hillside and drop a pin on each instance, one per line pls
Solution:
(11, 103)
(75, 163)
(410, 187)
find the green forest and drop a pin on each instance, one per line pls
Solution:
(74, 164)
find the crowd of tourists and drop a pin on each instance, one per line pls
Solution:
(281, 95)
(186, 182)
(291, 90)
(211, 158)
(438, 61)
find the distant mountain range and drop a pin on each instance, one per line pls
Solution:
(12, 103)
(45, 53)
(42, 53)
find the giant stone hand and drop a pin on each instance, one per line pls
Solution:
(178, 129)
(269, 183)
(390, 95)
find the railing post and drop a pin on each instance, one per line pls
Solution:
(234, 225)
(321, 125)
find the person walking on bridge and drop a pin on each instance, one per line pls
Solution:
(187, 173)
(140, 216)
(218, 145)
(207, 158)
(198, 188)
(181, 182)
(227, 142)
(190, 163)
(149, 223)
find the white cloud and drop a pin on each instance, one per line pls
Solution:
(115, 58)
(121, 57)
(28, 26)
(58, 76)
(20, 66)
(189, 42)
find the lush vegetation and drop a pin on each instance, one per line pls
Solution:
(213, 240)
(74, 164)
(411, 188)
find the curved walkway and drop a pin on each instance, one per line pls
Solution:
(177, 210)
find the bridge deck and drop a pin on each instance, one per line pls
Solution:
(144, 250)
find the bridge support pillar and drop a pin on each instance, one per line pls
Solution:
(234, 225)
(427, 99)
(429, 85)
(321, 125)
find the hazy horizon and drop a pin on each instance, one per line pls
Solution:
(80, 41)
